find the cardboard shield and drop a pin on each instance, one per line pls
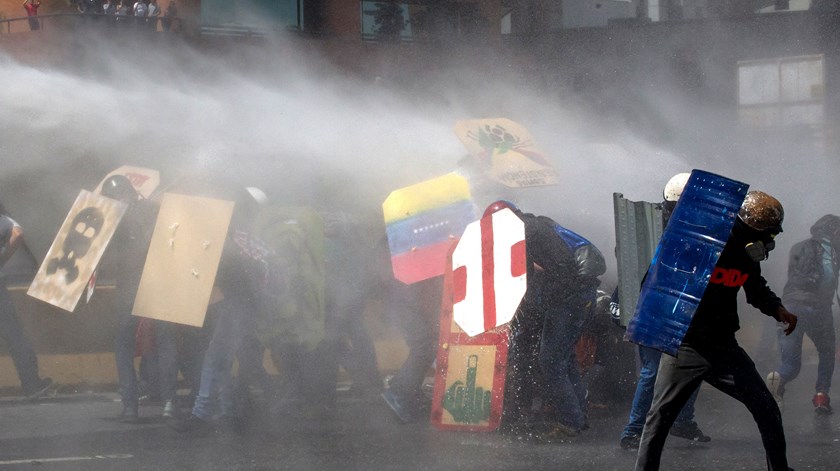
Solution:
(421, 222)
(76, 250)
(469, 373)
(506, 151)
(685, 259)
(183, 257)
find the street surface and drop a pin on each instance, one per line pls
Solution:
(80, 432)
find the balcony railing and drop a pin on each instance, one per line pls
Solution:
(50, 20)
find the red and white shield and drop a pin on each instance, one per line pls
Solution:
(489, 268)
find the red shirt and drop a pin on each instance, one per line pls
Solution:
(31, 9)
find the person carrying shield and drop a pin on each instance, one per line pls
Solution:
(126, 256)
(561, 291)
(709, 351)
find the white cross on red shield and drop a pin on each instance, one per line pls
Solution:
(489, 268)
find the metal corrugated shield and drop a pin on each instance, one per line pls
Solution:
(638, 227)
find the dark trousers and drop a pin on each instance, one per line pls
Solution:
(23, 355)
(419, 305)
(124, 352)
(727, 367)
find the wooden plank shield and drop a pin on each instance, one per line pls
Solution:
(470, 372)
(76, 250)
(183, 257)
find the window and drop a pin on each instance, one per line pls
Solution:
(782, 92)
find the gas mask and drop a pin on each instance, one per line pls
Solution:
(760, 250)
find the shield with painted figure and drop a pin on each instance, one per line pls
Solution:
(506, 151)
(76, 250)
(484, 283)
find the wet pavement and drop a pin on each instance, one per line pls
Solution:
(80, 432)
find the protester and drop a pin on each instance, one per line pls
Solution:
(563, 270)
(233, 320)
(710, 352)
(126, 256)
(418, 308)
(20, 348)
(685, 426)
(810, 292)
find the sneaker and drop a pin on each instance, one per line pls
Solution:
(41, 389)
(774, 384)
(822, 404)
(169, 409)
(194, 425)
(630, 442)
(398, 407)
(129, 414)
(690, 432)
(559, 433)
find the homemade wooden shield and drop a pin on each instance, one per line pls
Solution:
(506, 151)
(183, 258)
(489, 272)
(76, 250)
(144, 180)
(421, 221)
(469, 373)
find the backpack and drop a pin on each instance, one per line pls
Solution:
(590, 261)
(290, 286)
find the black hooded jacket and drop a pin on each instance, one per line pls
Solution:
(558, 279)
(716, 319)
(806, 275)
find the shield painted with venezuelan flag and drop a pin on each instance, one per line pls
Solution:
(422, 221)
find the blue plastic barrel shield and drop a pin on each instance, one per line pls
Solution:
(684, 260)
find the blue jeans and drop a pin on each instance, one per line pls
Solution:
(561, 330)
(818, 324)
(125, 347)
(235, 317)
(643, 398)
(23, 355)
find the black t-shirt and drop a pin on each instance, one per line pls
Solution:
(716, 318)
(126, 254)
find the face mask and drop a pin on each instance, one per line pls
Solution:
(757, 251)
(760, 250)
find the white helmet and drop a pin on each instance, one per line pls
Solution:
(258, 195)
(674, 187)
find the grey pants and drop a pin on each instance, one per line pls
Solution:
(728, 368)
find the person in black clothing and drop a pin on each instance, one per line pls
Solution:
(123, 262)
(810, 291)
(709, 351)
(547, 325)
